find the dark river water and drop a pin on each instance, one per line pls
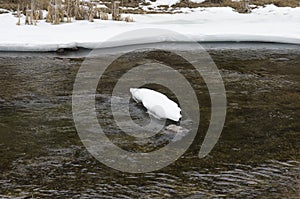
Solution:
(257, 155)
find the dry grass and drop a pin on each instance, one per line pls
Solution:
(103, 16)
(279, 3)
(129, 19)
(13, 4)
(145, 3)
(239, 6)
(9, 6)
(135, 11)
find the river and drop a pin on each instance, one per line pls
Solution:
(257, 155)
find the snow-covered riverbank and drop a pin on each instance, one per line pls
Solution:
(268, 24)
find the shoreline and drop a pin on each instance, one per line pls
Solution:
(209, 46)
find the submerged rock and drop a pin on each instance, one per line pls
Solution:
(179, 131)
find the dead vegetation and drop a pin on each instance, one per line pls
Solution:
(103, 16)
(65, 11)
(13, 4)
(279, 3)
(83, 10)
(43, 4)
(239, 6)
(129, 19)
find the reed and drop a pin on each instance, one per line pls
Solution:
(19, 16)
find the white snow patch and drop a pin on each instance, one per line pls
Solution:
(101, 6)
(157, 104)
(265, 24)
(198, 1)
(3, 10)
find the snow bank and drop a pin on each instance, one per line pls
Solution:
(269, 24)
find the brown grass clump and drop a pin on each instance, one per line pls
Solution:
(279, 3)
(145, 3)
(103, 16)
(8, 6)
(134, 11)
(13, 4)
(129, 19)
(238, 6)
(165, 7)
(225, 3)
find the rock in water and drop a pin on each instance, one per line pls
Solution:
(179, 131)
(157, 104)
